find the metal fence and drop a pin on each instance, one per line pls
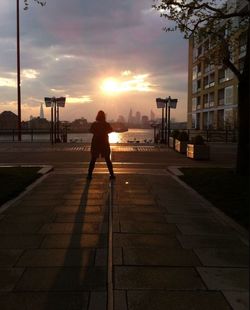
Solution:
(212, 135)
(34, 135)
(28, 135)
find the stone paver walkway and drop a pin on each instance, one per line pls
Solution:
(169, 250)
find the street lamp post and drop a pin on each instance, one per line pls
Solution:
(54, 103)
(161, 104)
(167, 103)
(171, 104)
(18, 72)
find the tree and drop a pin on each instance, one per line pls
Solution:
(26, 3)
(197, 18)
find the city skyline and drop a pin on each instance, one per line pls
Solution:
(131, 117)
(99, 56)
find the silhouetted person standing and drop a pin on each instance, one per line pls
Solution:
(100, 143)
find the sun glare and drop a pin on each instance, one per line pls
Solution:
(114, 137)
(127, 83)
(110, 86)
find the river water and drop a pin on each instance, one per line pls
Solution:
(130, 136)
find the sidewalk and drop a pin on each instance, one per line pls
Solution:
(165, 249)
(169, 250)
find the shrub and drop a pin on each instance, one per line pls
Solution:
(183, 136)
(175, 133)
(198, 140)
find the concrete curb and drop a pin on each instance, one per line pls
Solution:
(44, 171)
(242, 232)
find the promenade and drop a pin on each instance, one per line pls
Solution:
(142, 242)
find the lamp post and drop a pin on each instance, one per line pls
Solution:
(171, 104)
(18, 72)
(161, 104)
(167, 103)
(54, 103)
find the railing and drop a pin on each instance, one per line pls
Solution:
(33, 135)
(212, 135)
(27, 135)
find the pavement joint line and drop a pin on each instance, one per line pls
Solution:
(110, 293)
(28, 189)
(110, 299)
(242, 232)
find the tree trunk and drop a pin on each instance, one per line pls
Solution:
(243, 153)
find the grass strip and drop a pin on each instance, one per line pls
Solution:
(14, 180)
(226, 190)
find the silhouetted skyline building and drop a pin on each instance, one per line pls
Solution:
(41, 111)
(8, 120)
(152, 116)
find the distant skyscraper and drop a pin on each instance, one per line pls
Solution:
(130, 116)
(152, 115)
(137, 117)
(41, 111)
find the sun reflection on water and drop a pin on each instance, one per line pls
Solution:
(114, 137)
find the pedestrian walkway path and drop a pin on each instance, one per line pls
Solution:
(81, 148)
(169, 251)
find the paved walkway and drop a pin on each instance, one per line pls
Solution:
(142, 242)
(168, 250)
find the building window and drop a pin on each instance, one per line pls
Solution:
(199, 51)
(211, 79)
(194, 54)
(211, 120)
(195, 72)
(228, 74)
(198, 85)
(221, 75)
(198, 106)
(198, 121)
(194, 86)
(242, 44)
(228, 118)
(205, 82)
(193, 120)
(211, 99)
(220, 119)
(221, 96)
(205, 120)
(241, 64)
(194, 104)
(229, 95)
(205, 101)
(206, 67)
(199, 69)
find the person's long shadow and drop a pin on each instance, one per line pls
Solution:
(85, 260)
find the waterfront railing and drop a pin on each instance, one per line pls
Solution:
(39, 135)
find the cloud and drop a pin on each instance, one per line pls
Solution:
(30, 73)
(81, 99)
(68, 48)
(126, 82)
(6, 82)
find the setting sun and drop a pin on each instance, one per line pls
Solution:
(110, 86)
(127, 82)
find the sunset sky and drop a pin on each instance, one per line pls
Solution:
(110, 55)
